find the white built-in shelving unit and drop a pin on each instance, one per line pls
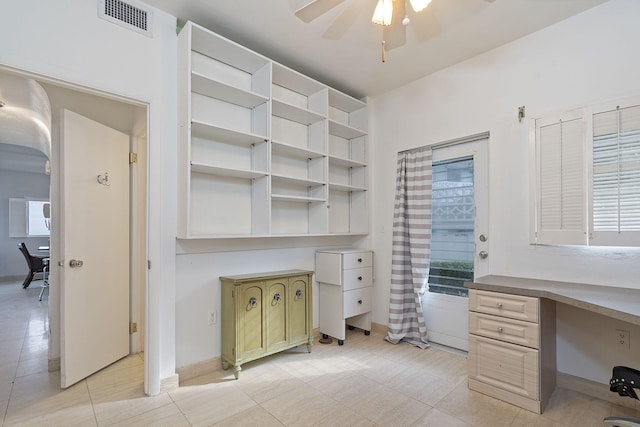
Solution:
(264, 150)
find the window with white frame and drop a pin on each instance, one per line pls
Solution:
(587, 176)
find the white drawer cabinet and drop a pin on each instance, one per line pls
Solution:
(345, 279)
(508, 359)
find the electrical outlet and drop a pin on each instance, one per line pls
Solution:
(623, 338)
(213, 317)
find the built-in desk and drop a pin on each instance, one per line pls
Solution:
(512, 352)
(618, 303)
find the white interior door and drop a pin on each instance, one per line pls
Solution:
(94, 287)
(445, 310)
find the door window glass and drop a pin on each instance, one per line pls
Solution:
(452, 228)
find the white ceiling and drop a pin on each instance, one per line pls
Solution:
(455, 30)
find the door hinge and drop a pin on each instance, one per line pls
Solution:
(133, 157)
(233, 351)
(148, 264)
(133, 327)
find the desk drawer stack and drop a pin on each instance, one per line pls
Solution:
(512, 349)
(345, 280)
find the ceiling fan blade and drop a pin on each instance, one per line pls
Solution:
(395, 35)
(344, 21)
(316, 8)
(425, 25)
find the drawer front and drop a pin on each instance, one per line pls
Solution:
(357, 278)
(357, 301)
(505, 329)
(513, 306)
(507, 366)
(357, 260)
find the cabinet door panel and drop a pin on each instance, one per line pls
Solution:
(298, 288)
(507, 366)
(276, 306)
(251, 321)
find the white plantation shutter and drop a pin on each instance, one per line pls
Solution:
(615, 216)
(561, 180)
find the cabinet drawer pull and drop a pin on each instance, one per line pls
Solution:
(499, 329)
(359, 259)
(360, 278)
(252, 303)
(299, 293)
(276, 299)
(359, 301)
(499, 305)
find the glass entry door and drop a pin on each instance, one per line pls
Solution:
(459, 238)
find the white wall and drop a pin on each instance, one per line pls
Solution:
(592, 56)
(198, 293)
(199, 266)
(66, 41)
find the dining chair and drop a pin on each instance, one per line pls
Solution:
(36, 264)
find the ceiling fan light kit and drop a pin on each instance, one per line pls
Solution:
(394, 20)
(383, 12)
(419, 5)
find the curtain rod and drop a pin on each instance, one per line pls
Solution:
(449, 143)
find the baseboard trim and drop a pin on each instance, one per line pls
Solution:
(53, 365)
(198, 369)
(14, 278)
(594, 389)
(379, 328)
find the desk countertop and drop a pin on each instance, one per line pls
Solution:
(618, 303)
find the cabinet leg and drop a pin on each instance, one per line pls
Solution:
(310, 344)
(367, 333)
(225, 365)
(351, 328)
(340, 342)
(236, 371)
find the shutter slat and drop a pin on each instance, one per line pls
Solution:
(616, 170)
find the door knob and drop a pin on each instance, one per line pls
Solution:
(483, 254)
(75, 263)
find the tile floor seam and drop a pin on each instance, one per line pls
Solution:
(93, 409)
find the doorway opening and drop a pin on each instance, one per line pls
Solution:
(131, 118)
(460, 222)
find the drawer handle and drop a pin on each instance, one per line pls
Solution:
(252, 303)
(299, 294)
(359, 301)
(360, 278)
(359, 259)
(499, 329)
(276, 299)
(499, 305)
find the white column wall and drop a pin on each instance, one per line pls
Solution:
(590, 57)
(65, 40)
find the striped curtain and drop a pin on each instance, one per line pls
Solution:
(411, 248)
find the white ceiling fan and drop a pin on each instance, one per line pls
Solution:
(394, 15)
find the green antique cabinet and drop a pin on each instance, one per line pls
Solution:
(264, 313)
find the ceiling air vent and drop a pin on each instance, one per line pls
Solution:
(132, 15)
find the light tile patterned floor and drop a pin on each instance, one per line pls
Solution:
(366, 382)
